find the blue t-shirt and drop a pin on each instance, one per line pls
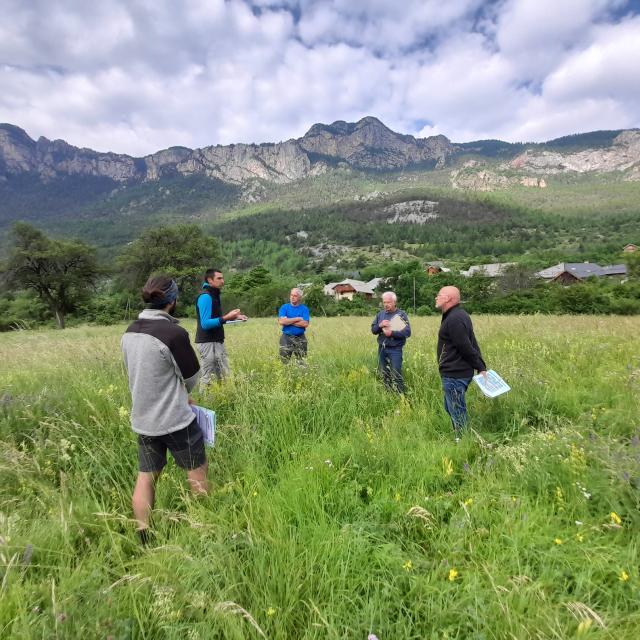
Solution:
(289, 311)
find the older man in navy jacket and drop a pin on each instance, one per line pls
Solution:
(391, 325)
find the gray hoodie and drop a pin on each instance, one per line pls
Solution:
(163, 368)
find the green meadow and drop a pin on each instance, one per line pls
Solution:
(337, 510)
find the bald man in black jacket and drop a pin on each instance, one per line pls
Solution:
(459, 356)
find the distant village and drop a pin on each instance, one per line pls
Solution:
(565, 273)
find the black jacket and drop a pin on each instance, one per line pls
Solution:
(458, 351)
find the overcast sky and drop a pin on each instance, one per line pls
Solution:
(136, 76)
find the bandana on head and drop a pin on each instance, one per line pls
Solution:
(170, 294)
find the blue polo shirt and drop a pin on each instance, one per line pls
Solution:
(289, 311)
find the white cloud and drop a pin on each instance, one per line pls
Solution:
(141, 75)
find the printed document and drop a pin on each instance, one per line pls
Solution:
(207, 422)
(493, 385)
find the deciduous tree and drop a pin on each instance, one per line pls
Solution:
(183, 251)
(61, 272)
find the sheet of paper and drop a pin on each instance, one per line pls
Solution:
(493, 385)
(207, 422)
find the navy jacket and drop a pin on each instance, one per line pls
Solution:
(397, 338)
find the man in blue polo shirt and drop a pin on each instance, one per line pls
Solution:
(294, 318)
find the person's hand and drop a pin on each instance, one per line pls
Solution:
(387, 332)
(242, 318)
(232, 315)
(190, 400)
(483, 374)
(383, 324)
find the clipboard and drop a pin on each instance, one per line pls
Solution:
(397, 323)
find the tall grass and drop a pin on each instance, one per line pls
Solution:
(337, 509)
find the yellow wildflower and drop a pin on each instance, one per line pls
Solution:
(584, 626)
(615, 518)
(123, 413)
(397, 497)
(408, 565)
(624, 576)
(579, 537)
(558, 540)
(255, 493)
(447, 467)
(453, 574)
(270, 611)
(468, 502)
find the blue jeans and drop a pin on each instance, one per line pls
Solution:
(390, 367)
(454, 402)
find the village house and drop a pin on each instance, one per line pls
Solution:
(572, 272)
(433, 268)
(347, 289)
(493, 270)
(629, 248)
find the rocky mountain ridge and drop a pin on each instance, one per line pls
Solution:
(367, 144)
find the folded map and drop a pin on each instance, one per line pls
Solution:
(493, 385)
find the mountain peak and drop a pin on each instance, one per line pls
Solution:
(371, 121)
(342, 128)
(17, 134)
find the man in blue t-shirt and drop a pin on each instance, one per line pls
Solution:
(294, 318)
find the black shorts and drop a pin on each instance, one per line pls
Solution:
(186, 446)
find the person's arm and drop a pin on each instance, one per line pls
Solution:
(190, 383)
(283, 319)
(303, 322)
(375, 325)
(186, 360)
(458, 332)
(204, 310)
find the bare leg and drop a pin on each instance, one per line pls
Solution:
(198, 480)
(144, 494)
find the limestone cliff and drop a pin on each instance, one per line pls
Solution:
(364, 145)
(622, 154)
(367, 144)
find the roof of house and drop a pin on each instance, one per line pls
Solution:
(438, 264)
(358, 286)
(615, 270)
(582, 270)
(489, 270)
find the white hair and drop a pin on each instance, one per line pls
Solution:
(298, 291)
(390, 294)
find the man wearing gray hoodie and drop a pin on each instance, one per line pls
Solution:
(163, 369)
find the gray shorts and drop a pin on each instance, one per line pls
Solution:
(213, 361)
(186, 446)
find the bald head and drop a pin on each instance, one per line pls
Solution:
(447, 297)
